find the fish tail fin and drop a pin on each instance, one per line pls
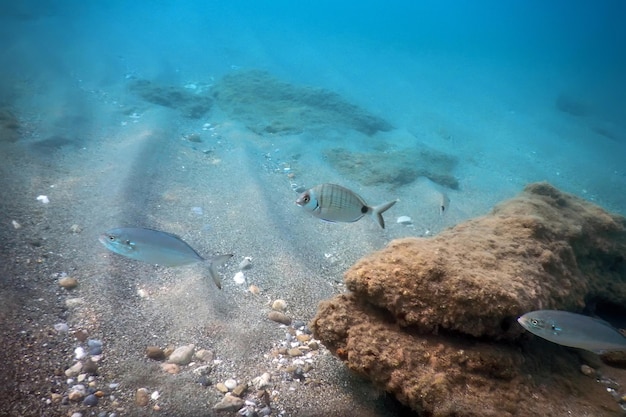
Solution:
(377, 212)
(214, 262)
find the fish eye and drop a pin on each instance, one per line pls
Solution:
(534, 322)
(111, 237)
(306, 198)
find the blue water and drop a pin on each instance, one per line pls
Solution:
(514, 91)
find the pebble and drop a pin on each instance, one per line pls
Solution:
(587, 370)
(313, 345)
(239, 278)
(170, 368)
(263, 381)
(74, 370)
(76, 228)
(74, 302)
(229, 403)
(16, 225)
(303, 338)
(204, 355)
(294, 352)
(56, 398)
(77, 393)
(182, 355)
(298, 324)
(204, 381)
(279, 317)
(254, 289)
(79, 353)
(279, 305)
(81, 335)
(246, 263)
(405, 220)
(68, 282)
(62, 327)
(142, 397)
(91, 400)
(77, 414)
(221, 387)
(240, 389)
(90, 367)
(230, 384)
(155, 352)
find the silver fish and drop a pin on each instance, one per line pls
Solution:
(574, 330)
(156, 247)
(335, 203)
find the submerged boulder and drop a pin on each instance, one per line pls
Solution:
(433, 320)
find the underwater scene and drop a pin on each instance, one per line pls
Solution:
(373, 209)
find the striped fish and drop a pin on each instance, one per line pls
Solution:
(335, 203)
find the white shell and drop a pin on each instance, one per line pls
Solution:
(239, 278)
(43, 199)
(406, 220)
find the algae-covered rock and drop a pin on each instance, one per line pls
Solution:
(396, 167)
(190, 104)
(433, 320)
(268, 106)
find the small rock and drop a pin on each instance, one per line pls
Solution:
(155, 352)
(303, 338)
(279, 317)
(68, 282)
(77, 414)
(298, 324)
(170, 368)
(239, 278)
(90, 367)
(229, 403)
(263, 381)
(91, 400)
(168, 351)
(142, 397)
(81, 335)
(405, 220)
(79, 353)
(313, 345)
(76, 228)
(221, 387)
(77, 393)
(204, 355)
(74, 302)
(279, 305)
(294, 352)
(62, 327)
(204, 380)
(230, 384)
(240, 389)
(587, 370)
(16, 225)
(254, 289)
(182, 355)
(56, 398)
(74, 370)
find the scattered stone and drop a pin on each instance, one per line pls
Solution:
(279, 305)
(405, 220)
(79, 353)
(91, 400)
(239, 278)
(77, 393)
(298, 324)
(90, 367)
(170, 368)
(204, 355)
(74, 370)
(182, 355)
(81, 335)
(294, 352)
(221, 387)
(142, 397)
(62, 327)
(229, 403)
(303, 338)
(76, 228)
(240, 389)
(168, 351)
(155, 352)
(74, 302)
(77, 414)
(55, 397)
(230, 384)
(313, 345)
(68, 282)
(279, 317)
(262, 382)
(204, 380)
(254, 289)
(587, 370)
(16, 225)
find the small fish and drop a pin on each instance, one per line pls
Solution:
(335, 203)
(574, 330)
(156, 247)
(444, 203)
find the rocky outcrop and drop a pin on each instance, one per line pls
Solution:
(433, 320)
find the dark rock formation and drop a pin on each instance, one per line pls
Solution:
(433, 320)
(191, 105)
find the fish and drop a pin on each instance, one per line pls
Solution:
(574, 330)
(157, 247)
(444, 203)
(334, 203)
